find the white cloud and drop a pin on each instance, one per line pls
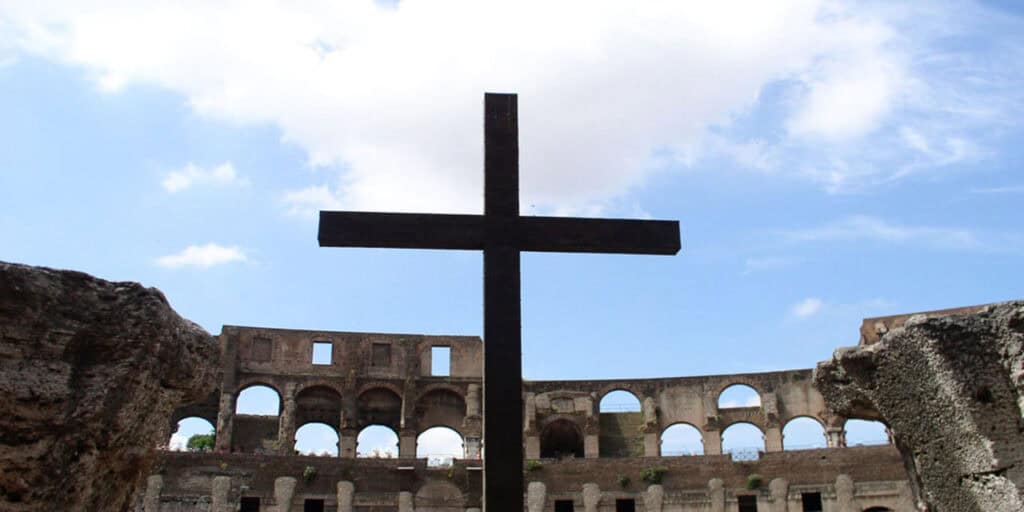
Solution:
(308, 202)
(391, 96)
(202, 256)
(807, 307)
(192, 174)
(178, 443)
(863, 227)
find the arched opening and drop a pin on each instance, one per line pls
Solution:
(441, 407)
(380, 406)
(258, 400)
(316, 439)
(803, 433)
(681, 439)
(377, 442)
(440, 446)
(561, 438)
(865, 433)
(878, 509)
(744, 441)
(193, 434)
(619, 400)
(739, 395)
(318, 404)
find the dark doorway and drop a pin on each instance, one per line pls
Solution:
(564, 506)
(249, 504)
(748, 503)
(313, 506)
(625, 505)
(561, 438)
(811, 501)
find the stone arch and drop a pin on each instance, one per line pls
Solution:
(803, 432)
(440, 445)
(748, 393)
(379, 405)
(678, 439)
(316, 438)
(746, 442)
(254, 432)
(318, 404)
(439, 496)
(878, 509)
(561, 438)
(255, 389)
(441, 406)
(183, 429)
(618, 400)
(377, 441)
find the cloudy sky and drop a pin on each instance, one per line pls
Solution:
(828, 160)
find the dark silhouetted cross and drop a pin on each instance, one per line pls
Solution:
(501, 233)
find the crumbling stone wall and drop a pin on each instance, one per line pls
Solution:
(90, 370)
(951, 389)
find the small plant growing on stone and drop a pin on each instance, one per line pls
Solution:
(309, 474)
(754, 481)
(534, 465)
(623, 481)
(653, 475)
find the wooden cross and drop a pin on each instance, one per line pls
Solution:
(501, 233)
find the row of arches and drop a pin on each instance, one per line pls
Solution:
(733, 396)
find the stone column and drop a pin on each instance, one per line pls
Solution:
(591, 446)
(835, 437)
(844, 494)
(773, 439)
(405, 503)
(716, 492)
(536, 496)
(472, 447)
(347, 443)
(407, 444)
(654, 498)
(346, 493)
(712, 442)
(219, 494)
(284, 491)
(225, 420)
(779, 488)
(652, 445)
(154, 484)
(591, 497)
(286, 422)
(532, 447)
(473, 400)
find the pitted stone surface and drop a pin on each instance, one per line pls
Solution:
(536, 494)
(779, 488)
(346, 491)
(591, 497)
(91, 370)
(284, 491)
(716, 492)
(951, 389)
(654, 498)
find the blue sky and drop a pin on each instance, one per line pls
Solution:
(827, 161)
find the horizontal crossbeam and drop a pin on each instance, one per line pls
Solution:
(476, 232)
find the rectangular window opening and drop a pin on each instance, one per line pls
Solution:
(322, 352)
(313, 506)
(564, 506)
(381, 355)
(811, 501)
(249, 504)
(625, 505)
(440, 361)
(747, 503)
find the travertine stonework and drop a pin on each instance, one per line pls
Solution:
(87, 368)
(951, 389)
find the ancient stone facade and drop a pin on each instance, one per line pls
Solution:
(580, 457)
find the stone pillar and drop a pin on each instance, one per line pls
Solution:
(347, 443)
(835, 437)
(286, 422)
(844, 494)
(773, 439)
(284, 491)
(219, 494)
(591, 447)
(154, 484)
(346, 493)
(405, 503)
(473, 400)
(407, 444)
(652, 445)
(716, 492)
(779, 488)
(532, 450)
(654, 498)
(225, 419)
(591, 497)
(472, 446)
(536, 495)
(712, 442)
